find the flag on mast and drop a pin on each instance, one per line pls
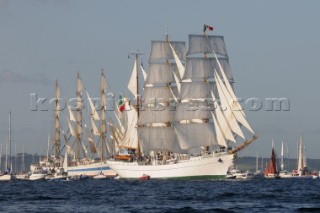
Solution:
(207, 27)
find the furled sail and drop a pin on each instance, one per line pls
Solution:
(79, 132)
(57, 122)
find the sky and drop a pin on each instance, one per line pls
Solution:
(273, 48)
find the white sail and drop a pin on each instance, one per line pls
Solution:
(205, 44)
(144, 73)
(223, 123)
(300, 157)
(160, 50)
(199, 90)
(95, 130)
(203, 68)
(220, 137)
(195, 135)
(65, 161)
(161, 94)
(239, 115)
(180, 66)
(161, 73)
(177, 80)
(226, 80)
(71, 129)
(94, 113)
(132, 86)
(130, 139)
(229, 115)
(158, 138)
(92, 145)
(158, 114)
(192, 110)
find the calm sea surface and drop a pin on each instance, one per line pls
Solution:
(282, 195)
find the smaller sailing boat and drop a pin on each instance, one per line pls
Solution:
(302, 171)
(22, 175)
(8, 172)
(101, 175)
(271, 172)
(283, 173)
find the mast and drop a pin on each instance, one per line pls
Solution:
(134, 88)
(48, 145)
(15, 159)
(10, 141)
(23, 165)
(7, 163)
(257, 162)
(300, 158)
(57, 123)
(79, 120)
(137, 79)
(103, 128)
(0, 157)
(282, 163)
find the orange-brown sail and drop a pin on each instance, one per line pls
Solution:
(273, 168)
(266, 171)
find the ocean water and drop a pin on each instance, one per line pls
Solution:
(265, 195)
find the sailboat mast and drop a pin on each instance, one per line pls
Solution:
(79, 119)
(300, 158)
(282, 163)
(257, 162)
(0, 156)
(57, 123)
(10, 139)
(137, 79)
(103, 116)
(22, 166)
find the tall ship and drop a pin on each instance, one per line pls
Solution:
(54, 159)
(80, 162)
(188, 119)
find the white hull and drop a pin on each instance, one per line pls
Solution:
(91, 170)
(21, 177)
(99, 177)
(37, 176)
(285, 176)
(5, 177)
(196, 167)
